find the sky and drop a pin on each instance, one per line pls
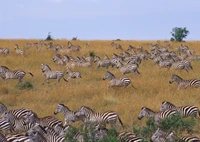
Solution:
(98, 19)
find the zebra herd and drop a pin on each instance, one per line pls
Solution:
(24, 125)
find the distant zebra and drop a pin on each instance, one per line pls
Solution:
(73, 47)
(183, 84)
(4, 51)
(129, 137)
(186, 65)
(58, 58)
(52, 74)
(69, 115)
(49, 121)
(128, 68)
(90, 117)
(2, 138)
(102, 63)
(117, 82)
(185, 111)
(18, 51)
(71, 74)
(158, 116)
(6, 74)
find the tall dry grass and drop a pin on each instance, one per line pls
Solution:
(152, 85)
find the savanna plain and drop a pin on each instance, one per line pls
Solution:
(152, 85)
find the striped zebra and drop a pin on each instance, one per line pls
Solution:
(69, 115)
(128, 68)
(117, 82)
(129, 137)
(158, 116)
(18, 51)
(186, 65)
(73, 47)
(6, 74)
(2, 138)
(185, 111)
(74, 75)
(183, 84)
(4, 51)
(90, 117)
(18, 124)
(52, 74)
(17, 138)
(102, 63)
(6, 127)
(47, 133)
(49, 121)
(58, 58)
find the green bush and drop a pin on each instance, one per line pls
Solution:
(75, 38)
(92, 54)
(49, 37)
(24, 85)
(70, 135)
(178, 34)
(111, 137)
(118, 39)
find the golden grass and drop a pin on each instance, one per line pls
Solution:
(152, 85)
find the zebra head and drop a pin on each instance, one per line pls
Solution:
(68, 70)
(158, 133)
(175, 78)
(8, 116)
(45, 68)
(119, 64)
(96, 58)
(56, 57)
(31, 118)
(36, 128)
(16, 46)
(166, 105)
(3, 108)
(108, 75)
(144, 112)
(69, 45)
(84, 112)
(60, 108)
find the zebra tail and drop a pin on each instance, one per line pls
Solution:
(120, 121)
(65, 79)
(134, 87)
(31, 74)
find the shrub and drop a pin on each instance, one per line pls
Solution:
(75, 38)
(49, 37)
(24, 85)
(92, 54)
(118, 39)
(111, 137)
(70, 135)
(178, 34)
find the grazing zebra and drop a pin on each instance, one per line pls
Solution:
(73, 47)
(6, 74)
(183, 84)
(185, 111)
(47, 133)
(18, 124)
(158, 116)
(128, 137)
(58, 58)
(19, 51)
(71, 74)
(102, 63)
(89, 116)
(69, 115)
(4, 51)
(2, 138)
(49, 121)
(128, 68)
(117, 82)
(52, 74)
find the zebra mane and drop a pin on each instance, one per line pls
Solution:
(3, 107)
(168, 103)
(64, 106)
(148, 109)
(110, 73)
(4, 67)
(177, 76)
(58, 55)
(85, 107)
(47, 66)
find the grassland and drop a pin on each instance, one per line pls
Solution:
(152, 85)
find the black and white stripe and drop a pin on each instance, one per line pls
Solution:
(128, 68)
(74, 75)
(117, 82)
(185, 111)
(18, 51)
(4, 51)
(102, 63)
(6, 74)
(128, 137)
(183, 84)
(52, 74)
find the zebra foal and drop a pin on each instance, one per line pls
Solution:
(183, 84)
(51, 74)
(117, 82)
(6, 74)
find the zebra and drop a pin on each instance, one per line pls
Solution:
(89, 116)
(71, 74)
(4, 51)
(69, 115)
(182, 65)
(117, 82)
(128, 68)
(158, 116)
(6, 74)
(17, 138)
(185, 111)
(128, 137)
(2, 138)
(18, 51)
(5, 127)
(18, 124)
(47, 133)
(102, 63)
(52, 74)
(183, 84)
(49, 121)
(73, 47)
(58, 58)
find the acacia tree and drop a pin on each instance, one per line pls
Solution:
(178, 34)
